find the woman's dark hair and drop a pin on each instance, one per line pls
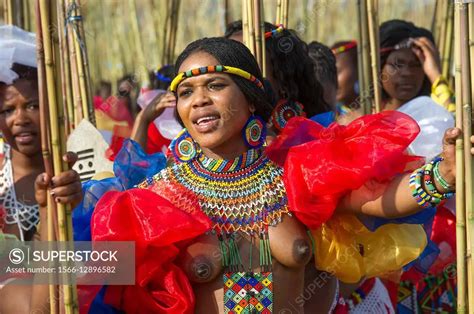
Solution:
(233, 53)
(236, 27)
(291, 67)
(24, 72)
(162, 78)
(324, 62)
(394, 32)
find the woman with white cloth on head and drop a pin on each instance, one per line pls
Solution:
(23, 183)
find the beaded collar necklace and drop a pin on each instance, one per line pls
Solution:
(246, 194)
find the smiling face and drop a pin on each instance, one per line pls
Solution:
(213, 109)
(402, 76)
(19, 116)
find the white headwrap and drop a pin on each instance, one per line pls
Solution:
(16, 46)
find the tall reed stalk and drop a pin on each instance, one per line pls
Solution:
(51, 90)
(466, 59)
(43, 101)
(460, 168)
(447, 52)
(374, 53)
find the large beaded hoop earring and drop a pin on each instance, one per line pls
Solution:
(284, 111)
(254, 132)
(183, 147)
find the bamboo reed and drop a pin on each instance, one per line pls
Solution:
(460, 167)
(434, 21)
(278, 19)
(64, 64)
(471, 44)
(448, 46)
(66, 114)
(170, 32)
(72, 10)
(374, 53)
(245, 24)
(284, 14)
(55, 142)
(250, 19)
(444, 20)
(85, 65)
(467, 130)
(26, 21)
(164, 57)
(57, 138)
(470, 207)
(45, 147)
(8, 12)
(258, 33)
(168, 35)
(367, 92)
(174, 30)
(360, 59)
(158, 25)
(76, 90)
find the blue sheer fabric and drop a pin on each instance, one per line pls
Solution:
(131, 166)
(325, 119)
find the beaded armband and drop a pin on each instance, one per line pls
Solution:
(428, 195)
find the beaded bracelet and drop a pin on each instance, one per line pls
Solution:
(435, 164)
(421, 197)
(428, 178)
(431, 196)
(440, 179)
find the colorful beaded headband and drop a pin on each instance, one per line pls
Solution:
(345, 47)
(274, 32)
(214, 69)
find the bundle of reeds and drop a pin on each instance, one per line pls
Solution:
(171, 29)
(253, 28)
(282, 12)
(442, 28)
(79, 64)
(62, 76)
(447, 49)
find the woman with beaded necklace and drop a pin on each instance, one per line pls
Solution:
(223, 229)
